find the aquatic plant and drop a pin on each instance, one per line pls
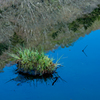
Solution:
(34, 62)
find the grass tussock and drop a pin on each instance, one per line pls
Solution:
(34, 62)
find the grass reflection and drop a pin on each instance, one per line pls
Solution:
(26, 78)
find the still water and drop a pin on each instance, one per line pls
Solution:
(78, 79)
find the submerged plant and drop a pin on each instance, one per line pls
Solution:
(34, 62)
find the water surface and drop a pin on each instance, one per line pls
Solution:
(79, 76)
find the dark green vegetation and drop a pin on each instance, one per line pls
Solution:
(1, 11)
(15, 39)
(3, 47)
(86, 21)
(57, 29)
(34, 63)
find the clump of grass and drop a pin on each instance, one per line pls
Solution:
(34, 62)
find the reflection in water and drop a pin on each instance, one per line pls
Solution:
(84, 51)
(24, 78)
(86, 21)
(1, 71)
(58, 32)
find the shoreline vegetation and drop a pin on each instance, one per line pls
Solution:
(30, 19)
(45, 24)
(30, 22)
(86, 21)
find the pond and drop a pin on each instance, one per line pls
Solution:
(77, 79)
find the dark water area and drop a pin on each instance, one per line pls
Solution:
(78, 79)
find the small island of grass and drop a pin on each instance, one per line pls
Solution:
(32, 62)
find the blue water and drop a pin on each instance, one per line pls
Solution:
(79, 76)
